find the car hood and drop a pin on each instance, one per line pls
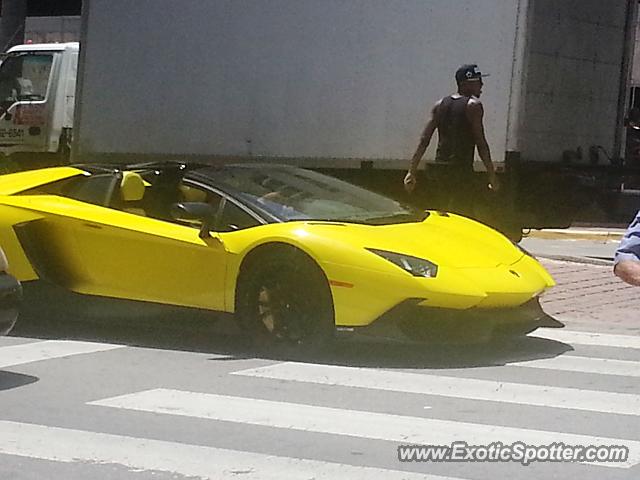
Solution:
(447, 240)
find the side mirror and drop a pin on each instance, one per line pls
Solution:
(196, 211)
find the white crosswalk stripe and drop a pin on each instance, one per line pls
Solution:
(303, 417)
(66, 445)
(456, 387)
(573, 363)
(13, 355)
(588, 338)
(378, 426)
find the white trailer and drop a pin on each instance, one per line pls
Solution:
(332, 83)
(346, 85)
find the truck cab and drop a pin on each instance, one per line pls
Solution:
(37, 94)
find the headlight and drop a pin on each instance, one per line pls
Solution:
(418, 267)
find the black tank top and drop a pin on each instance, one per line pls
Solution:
(456, 144)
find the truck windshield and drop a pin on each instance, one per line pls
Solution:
(24, 77)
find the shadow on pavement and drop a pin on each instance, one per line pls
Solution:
(9, 380)
(52, 313)
(397, 355)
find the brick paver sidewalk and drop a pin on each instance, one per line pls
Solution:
(590, 297)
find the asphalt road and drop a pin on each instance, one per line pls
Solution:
(98, 392)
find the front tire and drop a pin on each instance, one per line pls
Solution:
(284, 302)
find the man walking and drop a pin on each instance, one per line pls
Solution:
(459, 121)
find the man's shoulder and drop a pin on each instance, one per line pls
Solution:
(435, 110)
(474, 105)
(471, 100)
(474, 101)
(445, 101)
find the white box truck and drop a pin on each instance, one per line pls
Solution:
(346, 85)
(37, 101)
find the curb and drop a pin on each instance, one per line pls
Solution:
(573, 234)
(584, 260)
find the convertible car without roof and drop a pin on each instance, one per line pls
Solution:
(293, 253)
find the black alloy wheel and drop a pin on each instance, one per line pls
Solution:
(284, 303)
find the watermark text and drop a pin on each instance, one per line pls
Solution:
(518, 452)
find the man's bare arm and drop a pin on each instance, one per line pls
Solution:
(475, 114)
(425, 138)
(410, 179)
(628, 271)
(627, 256)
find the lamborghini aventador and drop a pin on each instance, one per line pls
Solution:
(293, 253)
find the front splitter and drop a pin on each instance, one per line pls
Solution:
(409, 322)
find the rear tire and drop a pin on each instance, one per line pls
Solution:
(284, 303)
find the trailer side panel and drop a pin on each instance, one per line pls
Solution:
(332, 80)
(572, 77)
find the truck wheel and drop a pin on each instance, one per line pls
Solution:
(22, 161)
(284, 303)
(8, 165)
(64, 148)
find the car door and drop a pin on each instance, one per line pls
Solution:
(95, 249)
(131, 255)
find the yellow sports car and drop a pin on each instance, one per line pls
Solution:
(293, 253)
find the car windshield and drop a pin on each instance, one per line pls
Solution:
(290, 193)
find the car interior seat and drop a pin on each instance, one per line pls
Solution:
(131, 193)
(191, 194)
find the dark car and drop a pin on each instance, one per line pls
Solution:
(10, 297)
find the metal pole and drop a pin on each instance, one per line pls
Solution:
(14, 14)
(77, 153)
(625, 76)
(518, 76)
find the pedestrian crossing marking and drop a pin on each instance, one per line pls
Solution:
(14, 355)
(574, 363)
(141, 454)
(354, 423)
(456, 387)
(328, 420)
(588, 338)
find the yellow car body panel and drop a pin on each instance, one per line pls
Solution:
(102, 251)
(19, 182)
(365, 286)
(112, 253)
(20, 266)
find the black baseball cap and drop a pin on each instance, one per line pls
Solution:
(469, 73)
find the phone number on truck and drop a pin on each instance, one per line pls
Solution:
(11, 133)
